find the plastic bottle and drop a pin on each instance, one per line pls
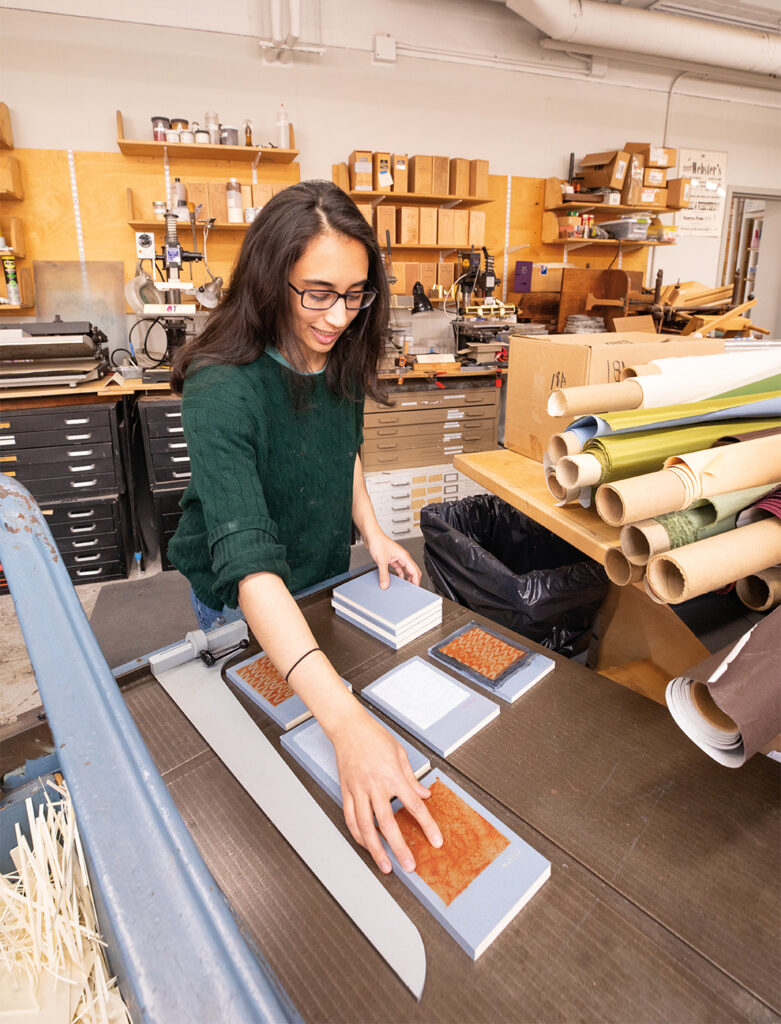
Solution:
(178, 193)
(235, 206)
(283, 128)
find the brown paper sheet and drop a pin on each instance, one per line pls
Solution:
(749, 689)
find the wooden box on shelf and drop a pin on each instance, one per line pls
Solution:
(10, 178)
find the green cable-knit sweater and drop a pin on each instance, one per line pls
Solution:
(271, 487)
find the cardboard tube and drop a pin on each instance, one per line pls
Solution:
(716, 561)
(643, 370)
(561, 495)
(620, 570)
(732, 468)
(583, 470)
(650, 591)
(595, 398)
(762, 590)
(566, 443)
(640, 541)
(641, 497)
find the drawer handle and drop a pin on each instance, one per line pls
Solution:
(78, 437)
(85, 543)
(173, 415)
(180, 458)
(174, 445)
(82, 469)
(83, 483)
(180, 476)
(89, 572)
(84, 529)
(174, 430)
(80, 454)
(77, 422)
(81, 515)
(399, 508)
(402, 519)
(87, 558)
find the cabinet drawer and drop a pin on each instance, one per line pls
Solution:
(67, 418)
(64, 468)
(70, 518)
(398, 418)
(168, 445)
(72, 487)
(54, 454)
(80, 435)
(422, 432)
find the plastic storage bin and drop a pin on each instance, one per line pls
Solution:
(629, 229)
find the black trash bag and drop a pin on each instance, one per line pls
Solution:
(488, 556)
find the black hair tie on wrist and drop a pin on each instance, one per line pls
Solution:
(297, 663)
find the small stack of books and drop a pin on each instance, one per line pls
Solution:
(396, 616)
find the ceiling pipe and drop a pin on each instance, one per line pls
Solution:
(635, 30)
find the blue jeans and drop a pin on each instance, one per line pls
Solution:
(208, 618)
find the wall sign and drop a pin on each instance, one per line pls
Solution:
(708, 172)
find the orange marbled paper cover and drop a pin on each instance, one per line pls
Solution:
(470, 843)
(263, 677)
(482, 652)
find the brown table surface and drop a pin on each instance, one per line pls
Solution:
(663, 902)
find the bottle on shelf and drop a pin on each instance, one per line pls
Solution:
(283, 128)
(248, 132)
(235, 206)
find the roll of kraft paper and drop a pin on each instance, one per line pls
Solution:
(690, 378)
(706, 518)
(561, 495)
(762, 590)
(572, 440)
(688, 477)
(716, 561)
(623, 394)
(730, 704)
(621, 455)
(620, 570)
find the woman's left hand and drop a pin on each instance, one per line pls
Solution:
(390, 555)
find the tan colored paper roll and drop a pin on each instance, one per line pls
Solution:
(561, 495)
(620, 570)
(733, 467)
(650, 591)
(762, 590)
(643, 370)
(624, 394)
(641, 541)
(641, 497)
(716, 561)
(566, 443)
(582, 470)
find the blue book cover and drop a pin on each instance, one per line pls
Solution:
(483, 874)
(500, 665)
(394, 640)
(310, 746)
(392, 608)
(440, 711)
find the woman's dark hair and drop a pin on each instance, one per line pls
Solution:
(255, 312)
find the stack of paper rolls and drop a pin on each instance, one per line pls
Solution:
(653, 470)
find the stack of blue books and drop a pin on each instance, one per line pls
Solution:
(396, 616)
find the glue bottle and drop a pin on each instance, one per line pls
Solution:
(283, 128)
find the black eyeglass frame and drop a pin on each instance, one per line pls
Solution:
(366, 290)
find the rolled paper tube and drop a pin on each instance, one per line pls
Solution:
(643, 370)
(578, 471)
(761, 592)
(718, 470)
(620, 570)
(562, 495)
(641, 497)
(566, 443)
(595, 398)
(716, 561)
(650, 591)
(640, 541)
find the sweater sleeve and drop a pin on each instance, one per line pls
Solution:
(223, 443)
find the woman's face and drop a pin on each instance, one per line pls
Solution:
(330, 262)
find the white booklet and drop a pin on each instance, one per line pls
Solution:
(430, 704)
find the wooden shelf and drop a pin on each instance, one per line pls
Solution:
(10, 178)
(626, 244)
(450, 247)
(194, 151)
(15, 238)
(27, 304)
(608, 208)
(416, 198)
(184, 225)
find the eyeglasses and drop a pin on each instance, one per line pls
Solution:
(323, 298)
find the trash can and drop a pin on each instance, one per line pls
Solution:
(489, 557)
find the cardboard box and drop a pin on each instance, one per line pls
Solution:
(653, 197)
(367, 210)
(382, 180)
(218, 201)
(261, 194)
(246, 196)
(428, 276)
(198, 195)
(678, 193)
(407, 225)
(398, 272)
(604, 170)
(478, 178)
(421, 174)
(428, 225)
(654, 156)
(539, 365)
(440, 175)
(385, 220)
(459, 177)
(633, 182)
(359, 165)
(400, 171)
(411, 275)
(655, 177)
(446, 227)
(446, 275)
(476, 227)
(536, 277)
(341, 176)
(461, 227)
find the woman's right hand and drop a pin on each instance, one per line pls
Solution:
(373, 768)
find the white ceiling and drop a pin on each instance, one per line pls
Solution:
(757, 14)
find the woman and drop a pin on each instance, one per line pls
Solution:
(272, 410)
